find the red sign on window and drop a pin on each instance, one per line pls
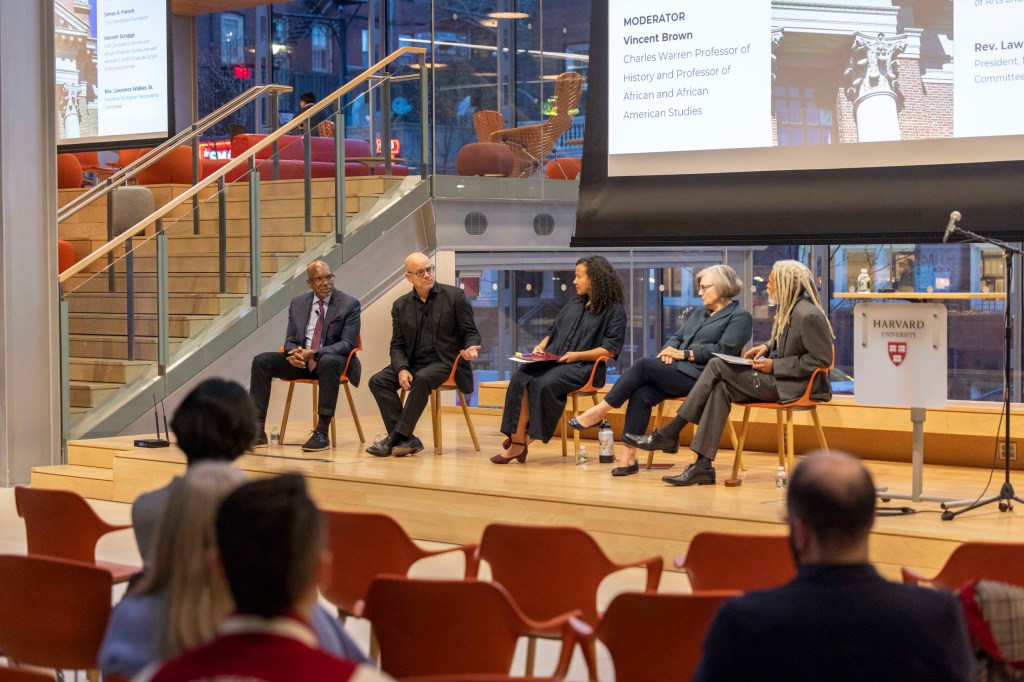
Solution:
(396, 147)
(243, 72)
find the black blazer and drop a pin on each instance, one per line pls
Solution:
(838, 622)
(452, 324)
(341, 334)
(727, 331)
(805, 346)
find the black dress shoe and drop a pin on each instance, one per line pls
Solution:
(574, 423)
(381, 448)
(409, 446)
(318, 441)
(633, 468)
(652, 442)
(261, 440)
(693, 475)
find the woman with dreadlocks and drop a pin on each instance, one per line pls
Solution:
(589, 326)
(801, 342)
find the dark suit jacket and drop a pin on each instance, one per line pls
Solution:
(727, 331)
(805, 346)
(452, 325)
(836, 622)
(339, 337)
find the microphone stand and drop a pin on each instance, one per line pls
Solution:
(1006, 496)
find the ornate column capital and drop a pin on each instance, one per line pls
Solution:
(873, 69)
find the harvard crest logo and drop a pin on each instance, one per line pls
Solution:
(897, 352)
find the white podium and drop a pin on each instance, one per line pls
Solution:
(900, 360)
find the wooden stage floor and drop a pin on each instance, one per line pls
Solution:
(452, 497)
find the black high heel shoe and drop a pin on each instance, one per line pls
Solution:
(633, 468)
(521, 457)
(574, 423)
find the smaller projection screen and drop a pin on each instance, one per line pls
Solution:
(760, 122)
(113, 73)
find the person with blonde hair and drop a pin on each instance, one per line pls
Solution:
(800, 343)
(179, 601)
(721, 326)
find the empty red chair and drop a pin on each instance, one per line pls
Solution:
(999, 561)
(65, 255)
(69, 172)
(737, 561)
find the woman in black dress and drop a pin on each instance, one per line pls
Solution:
(589, 326)
(721, 326)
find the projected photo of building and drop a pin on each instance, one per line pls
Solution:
(75, 48)
(856, 71)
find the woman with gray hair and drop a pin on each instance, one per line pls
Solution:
(721, 326)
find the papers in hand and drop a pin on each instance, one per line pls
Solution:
(734, 359)
(527, 358)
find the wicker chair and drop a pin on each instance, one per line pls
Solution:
(531, 144)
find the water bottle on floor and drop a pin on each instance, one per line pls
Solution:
(780, 478)
(606, 444)
(275, 437)
(581, 456)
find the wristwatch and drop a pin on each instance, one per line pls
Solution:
(316, 356)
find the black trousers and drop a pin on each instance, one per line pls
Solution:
(710, 401)
(274, 365)
(644, 385)
(384, 386)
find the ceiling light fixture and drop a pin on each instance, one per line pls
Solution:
(507, 15)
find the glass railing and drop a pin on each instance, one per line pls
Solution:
(192, 263)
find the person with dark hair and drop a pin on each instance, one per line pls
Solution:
(779, 371)
(323, 328)
(721, 326)
(215, 422)
(838, 619)
(306, 100)
(591, 325)
(271, 550)
(432, 327)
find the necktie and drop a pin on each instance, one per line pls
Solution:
(318, 331)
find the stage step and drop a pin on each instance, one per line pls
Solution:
(93, 482)
(180, 304)
(106, 370)
(177, 283)
(113, 324)
(90, 394)
(97, 346)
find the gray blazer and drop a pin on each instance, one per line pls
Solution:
(727, 331)
(805, 346)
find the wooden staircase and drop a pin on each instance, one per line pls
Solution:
(98, 328)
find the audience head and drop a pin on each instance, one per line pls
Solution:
(789, 281)
(271, 541)
(419, 271)
(216, 421)
(831, 506)
(306, 99)
(723, 279)
(196, 600)
(598, 282)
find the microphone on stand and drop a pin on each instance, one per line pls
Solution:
(954, 218)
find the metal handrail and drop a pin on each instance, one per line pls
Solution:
(244, 158)
(152, 156)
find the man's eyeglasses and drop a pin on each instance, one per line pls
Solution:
(420, 274)
(321, 280)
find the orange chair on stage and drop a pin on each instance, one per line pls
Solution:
(435, 408)
(60, 524)
(316, 390)
(657, 422)
(784, 425)
(589, 390)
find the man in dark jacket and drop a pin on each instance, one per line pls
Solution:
(323, 328)
(838, 619)
(432, 328)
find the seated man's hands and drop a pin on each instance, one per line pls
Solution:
(756, 352)
(470, 353)
(405, 379)
(299, 357)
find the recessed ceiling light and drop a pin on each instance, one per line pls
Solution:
(507, 15)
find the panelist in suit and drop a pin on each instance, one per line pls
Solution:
(589, 326)
(721, 326)
(801, 342)
(431, 327)
(837, 619)
(323, 328)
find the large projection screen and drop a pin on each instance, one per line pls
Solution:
(113, 73)
(753, 122)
